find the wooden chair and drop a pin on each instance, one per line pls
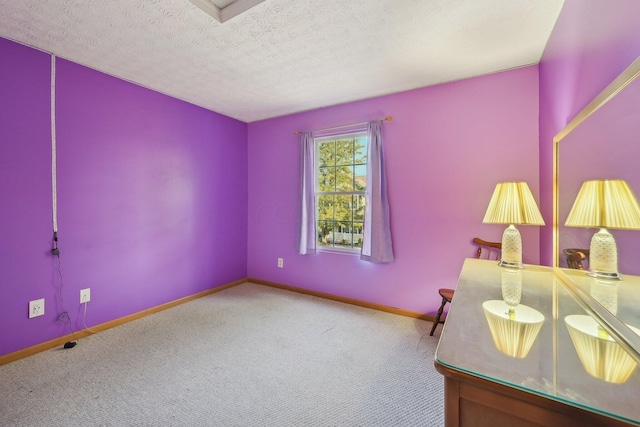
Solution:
(491, 249)
(576, 257)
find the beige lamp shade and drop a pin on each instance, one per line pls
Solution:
(513, 329)
(599, 354)
(513, 203)
(606, 204)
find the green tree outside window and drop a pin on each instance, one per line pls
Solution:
(340, 189)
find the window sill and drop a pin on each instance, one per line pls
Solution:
(338, 251)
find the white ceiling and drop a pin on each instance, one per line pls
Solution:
(286, 56)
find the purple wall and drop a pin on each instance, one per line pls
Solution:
(446, 148)
(26, 271)
(592, 42)
(152, 196)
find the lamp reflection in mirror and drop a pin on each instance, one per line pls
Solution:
(514, 330)
(598, 352)
(511, 280)
(512, 203)
(606, 293)
(604, 204)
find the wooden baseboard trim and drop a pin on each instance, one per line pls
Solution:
(345, 300)
(47, 345)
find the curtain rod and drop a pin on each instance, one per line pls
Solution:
(388, 118)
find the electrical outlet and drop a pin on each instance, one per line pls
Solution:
(85, 295)
(36, 308)
(280, 262)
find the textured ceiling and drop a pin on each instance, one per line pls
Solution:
(286, 56)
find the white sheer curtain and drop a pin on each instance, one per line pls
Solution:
(307, 244)
(376, 241)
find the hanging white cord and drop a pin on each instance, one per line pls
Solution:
(54, 189)
(84, 319)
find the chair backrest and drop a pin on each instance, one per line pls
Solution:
(488, 247)
(576, 257)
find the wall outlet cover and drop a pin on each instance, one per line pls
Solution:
(36, 308)
(85, 295)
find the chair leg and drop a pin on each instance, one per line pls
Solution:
(437, 319)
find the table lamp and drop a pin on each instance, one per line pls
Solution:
(512, 203)
(604, 204)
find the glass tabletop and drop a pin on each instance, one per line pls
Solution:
(532, 330)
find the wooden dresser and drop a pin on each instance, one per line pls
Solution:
(540, 347)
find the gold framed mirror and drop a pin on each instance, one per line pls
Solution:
(601, 142)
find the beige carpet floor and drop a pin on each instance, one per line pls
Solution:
(250, 355)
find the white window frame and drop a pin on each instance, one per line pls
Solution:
(317, 141)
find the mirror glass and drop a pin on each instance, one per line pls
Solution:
(604, 145)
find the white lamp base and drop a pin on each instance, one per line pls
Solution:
(511, 248)
(603, 256)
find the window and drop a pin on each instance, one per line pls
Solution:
(341, 180)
